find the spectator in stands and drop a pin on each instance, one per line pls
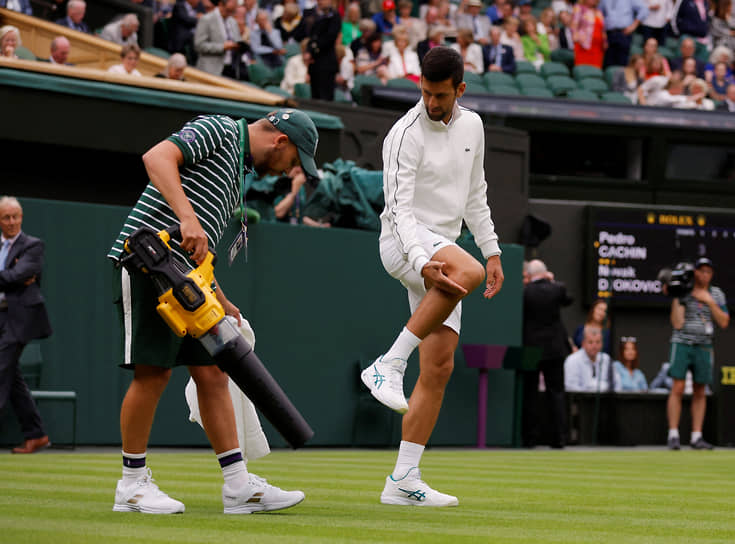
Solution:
(351, 24)
(21, 6)
(627, 80)
(446, 11)
(720, 30)
(566, 39)
(435, 37)
(290, 23)
(719, 54)
(414, 26)
(60, 49)
(693, 319)
(498, 57)
(510, 37)
(524, 10)
(622, 17)
(174, 67)
(698, 90)
(75, 11)
(9, 41)
(560, 6)
(470, 51)
(506, 11)
(181, 25)
(631, 377)
(720, 82)
(662, 91)
(367, 28)
(217, 41)
(729, 103)
(596, 317)
(55, 10)
(403, 62)
(123, 31)
(590, 369)
(543, 299)
(265, 41)
(474, 20)
(535, 46)
(322, 25)
(371, 61)
(691, 18)
(659, 15)
(547, 25)
(588, 32)
(689, 72)
(345, 78)
(655, 66)
(420, 31)
(495, 12)
(386, 19)
(687, 49)
(240, 17)
(130, 55)
(650, 52)
(297, 69)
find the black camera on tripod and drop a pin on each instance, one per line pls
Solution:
(677, 281)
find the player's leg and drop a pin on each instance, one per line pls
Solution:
(139, 406)
(405, 486)
(242, 493)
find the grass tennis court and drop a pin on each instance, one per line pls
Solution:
(575, 495)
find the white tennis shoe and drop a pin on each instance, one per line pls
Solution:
(145, 497)
(258, 496)
(411, 490)
(385, 381)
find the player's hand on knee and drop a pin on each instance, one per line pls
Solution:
(434, 273)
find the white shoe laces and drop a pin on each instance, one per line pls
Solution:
(148, 482)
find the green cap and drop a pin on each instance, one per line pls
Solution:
(301, 130)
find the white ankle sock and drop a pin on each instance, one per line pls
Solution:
(409, 456)
(233, 466)
(403, 346)
(134, 467)
(673, 433)
(696, 435)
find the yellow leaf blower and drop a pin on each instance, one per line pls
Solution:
(187, 303)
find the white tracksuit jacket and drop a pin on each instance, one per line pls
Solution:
(433, 174)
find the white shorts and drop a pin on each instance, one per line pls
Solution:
(397, 266)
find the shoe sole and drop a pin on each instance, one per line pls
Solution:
(131, 508)
(256, 508)
(400, 501)
(365, 377)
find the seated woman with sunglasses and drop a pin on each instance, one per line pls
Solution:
(631, 377)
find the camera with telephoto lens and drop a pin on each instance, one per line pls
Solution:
(678, 281)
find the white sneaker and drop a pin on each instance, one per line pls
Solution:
(258, 496)
(411, 490)
(385, 381)
(145, 497)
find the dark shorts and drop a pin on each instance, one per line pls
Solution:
(698, 358)
(146, 338)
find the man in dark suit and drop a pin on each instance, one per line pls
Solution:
(729, 103)
(322, 26)
(184, 18)
(75, 12)
(496, 56)
(687, 48)
(543, 299)
(22, 318)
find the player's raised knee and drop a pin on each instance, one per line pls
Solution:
(471, 275)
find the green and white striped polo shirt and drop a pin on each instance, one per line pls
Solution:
(210, 178)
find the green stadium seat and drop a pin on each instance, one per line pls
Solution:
(363, 79)
(292, 49)
(671, 43)
(668, 53)
(24, 54)
(476, 88)
(564, 56)
(610, 72)
(525, 67)
(593, 84)
(471, 77)
(275, 89)
(157, 51)
(277, 75)
(302, 90)
(401, 83)
(561, 85)
(615, 98)
(260, 74)
(552, 68)
(501, 90)
(636, 50)
(582, 71)
(582, 94)
(637, 39)
(530, 80)
(494, 79)
(537, 92)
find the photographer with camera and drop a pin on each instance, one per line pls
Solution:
(693, 316)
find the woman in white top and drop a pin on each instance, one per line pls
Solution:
(511, 38)
(130, 55)
(297, 68)
(470, 52)
(9, 41)
(403, 61)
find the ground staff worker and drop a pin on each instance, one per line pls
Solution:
(195, 180)
(693, 317)
(433, 179)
